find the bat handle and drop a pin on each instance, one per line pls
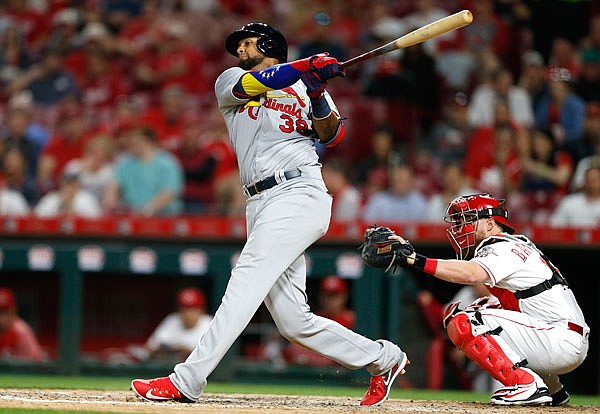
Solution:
(354, 60)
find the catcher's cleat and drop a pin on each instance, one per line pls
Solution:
(158, 389)
(529, 394)
(560, 397)
(380, 386)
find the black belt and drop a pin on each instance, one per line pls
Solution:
(269, 182)
(556, 279)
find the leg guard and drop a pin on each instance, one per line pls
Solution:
(485, 351)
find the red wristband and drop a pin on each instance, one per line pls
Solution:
(430, 266)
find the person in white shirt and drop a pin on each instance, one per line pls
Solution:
(481, 107)
(178, 333)
(68, 200)
(12, 203)
(580, 209)
(400, 202)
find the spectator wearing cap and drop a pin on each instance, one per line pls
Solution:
(148, 179)
(64, 32)
(562, 112)
(17, 339)
(178, 333)
(333, 301)
(95, 39)
(332, 304)
(68, 200)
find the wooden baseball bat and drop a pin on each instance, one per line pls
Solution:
(439, 27)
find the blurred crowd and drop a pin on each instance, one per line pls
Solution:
(107, 106)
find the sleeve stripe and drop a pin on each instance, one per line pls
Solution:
(337, 137)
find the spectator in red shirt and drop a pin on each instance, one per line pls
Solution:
(95, 38)
(33, 25)
(481, 148)
(174, 62)
(17, 340)
(139, 32)
(168, 118)
(101, 85)
(68, 143)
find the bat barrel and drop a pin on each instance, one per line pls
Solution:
(439, 27)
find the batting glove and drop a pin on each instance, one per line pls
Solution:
(325, 67)
(314, 85)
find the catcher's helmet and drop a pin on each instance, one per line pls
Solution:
(270, 41)
(464, 211)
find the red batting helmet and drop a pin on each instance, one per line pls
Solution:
(270, 41)
(462, 214)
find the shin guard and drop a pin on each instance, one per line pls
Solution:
(485, 350)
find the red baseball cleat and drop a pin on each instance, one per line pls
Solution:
(380, 386)
(158, 389)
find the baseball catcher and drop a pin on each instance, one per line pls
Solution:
(537, 334)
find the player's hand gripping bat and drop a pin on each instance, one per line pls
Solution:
(437, 28)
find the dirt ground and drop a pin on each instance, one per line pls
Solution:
(126, 402)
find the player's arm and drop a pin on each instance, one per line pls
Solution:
(326, 122)
(455, 271)
(255, 83)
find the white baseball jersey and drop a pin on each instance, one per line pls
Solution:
(271, 133)
(172, 334)
(538, 329)
(514, 263)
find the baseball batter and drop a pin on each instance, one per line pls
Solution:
(274, 112)
(539, 331)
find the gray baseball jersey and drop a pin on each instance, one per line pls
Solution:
(270, 135)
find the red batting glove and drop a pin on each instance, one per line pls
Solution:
(325, 67)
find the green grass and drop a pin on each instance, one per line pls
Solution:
(122, 383)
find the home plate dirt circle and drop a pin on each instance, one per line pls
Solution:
(126, 402)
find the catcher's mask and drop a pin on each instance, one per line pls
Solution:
(464, 212)
(270, 41)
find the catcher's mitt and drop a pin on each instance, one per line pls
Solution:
(379, 251)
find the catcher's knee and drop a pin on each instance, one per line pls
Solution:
(459, 329)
